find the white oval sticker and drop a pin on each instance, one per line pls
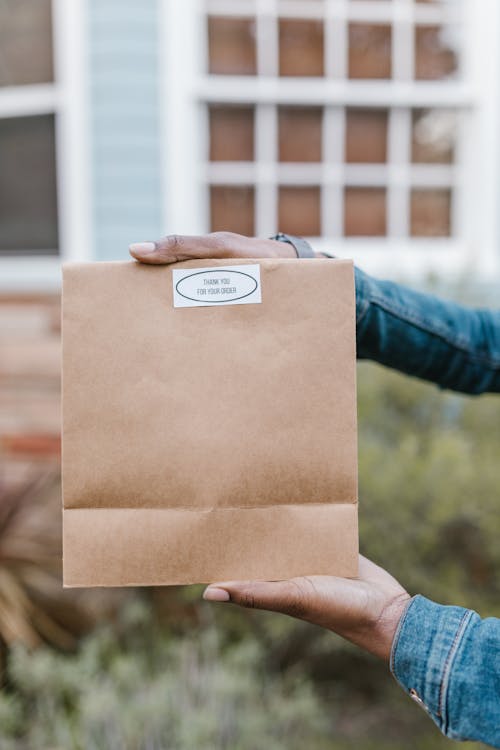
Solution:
(230, 285)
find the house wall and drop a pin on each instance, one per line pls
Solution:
(124, 124)
(119, 99)
(30, 410)
(122, 74)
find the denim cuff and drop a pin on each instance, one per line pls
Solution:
(423, 653)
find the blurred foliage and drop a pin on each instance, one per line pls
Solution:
(429, 493)
(141, 688)
(34, 609)
(138, 686)
(166, 670)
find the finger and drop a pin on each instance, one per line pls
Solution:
(293, 597)
(176, 247)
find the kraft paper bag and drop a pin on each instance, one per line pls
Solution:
(209, 421)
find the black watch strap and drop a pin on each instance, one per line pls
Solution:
(301, 246)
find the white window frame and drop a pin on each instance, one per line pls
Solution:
(66, 98)
(475, 249)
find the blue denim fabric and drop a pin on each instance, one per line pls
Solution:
(422, 335)
(448, 660)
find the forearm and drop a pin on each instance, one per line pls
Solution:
(448, 660)
(421, 335)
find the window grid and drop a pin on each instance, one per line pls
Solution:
(29, 103)
(353, 10)
(266, 91)
(65, 99)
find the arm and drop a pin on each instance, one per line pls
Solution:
(453, 346)
(446, 658)
(455, 650)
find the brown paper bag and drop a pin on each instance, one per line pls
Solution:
(215, 440)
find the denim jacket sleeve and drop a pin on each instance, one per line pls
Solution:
(419, 334)
(448, 660)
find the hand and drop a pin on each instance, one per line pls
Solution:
(364, 610)
(216, 245)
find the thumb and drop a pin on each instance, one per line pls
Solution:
(176, 247)
(288, 597)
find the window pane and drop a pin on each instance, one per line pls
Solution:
(433, 136)
(299, 211)
(301, 47)
(231, 46)
(366, 136)
(365, 212)
(434, 57)
(25, 42)
(430, 213)
(28, 200)
(300, 131)
(369, 51)
(232, 209)
(231, 133)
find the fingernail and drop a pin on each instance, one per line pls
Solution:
(142, 248)
(213, 594)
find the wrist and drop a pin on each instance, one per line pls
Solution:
(282, 249)
(301, 247)
(374, 631)
(387, 625)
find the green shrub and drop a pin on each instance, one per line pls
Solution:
(176, 673)
(148, 690)
(429, 498)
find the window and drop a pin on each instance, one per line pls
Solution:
(28, 193)
(349, 151)
(28, 201)
(360, 124)
(44, 155)
(26, 55)
(369, 126)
